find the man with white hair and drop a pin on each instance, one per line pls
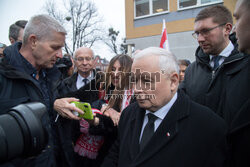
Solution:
(83, 61)
(28, 74)
(164, 127)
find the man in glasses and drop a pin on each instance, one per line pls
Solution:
(83, 61)
(216, 56)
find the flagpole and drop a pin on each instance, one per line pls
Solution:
(164, 38)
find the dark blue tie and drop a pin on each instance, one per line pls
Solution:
(216, 60)
(86, 81)
(148, 131)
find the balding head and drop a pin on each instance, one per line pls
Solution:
(155, 76)
(242, 16)
(83, 58)
(83, 50)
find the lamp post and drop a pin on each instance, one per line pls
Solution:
(68, 18)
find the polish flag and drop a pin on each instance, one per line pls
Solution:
(164, 38)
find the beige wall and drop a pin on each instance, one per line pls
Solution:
(155, 29)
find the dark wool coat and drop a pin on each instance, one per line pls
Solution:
(190, 135)
(208, 87)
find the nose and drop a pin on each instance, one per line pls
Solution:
(137, 87)
(84, 61)
(59, 54)
(200, 38)
(116, 72)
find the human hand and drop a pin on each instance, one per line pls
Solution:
(65, 109)
(113, 114)
(95, 120)
(104, 108)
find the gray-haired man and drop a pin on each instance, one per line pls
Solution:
(27, 74)
(164, 127)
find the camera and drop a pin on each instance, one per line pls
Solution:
(21, 131)
(64, 64)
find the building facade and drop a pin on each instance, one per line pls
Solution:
(100, 63)
(144, 19)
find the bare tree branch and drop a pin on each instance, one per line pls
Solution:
(81, 24)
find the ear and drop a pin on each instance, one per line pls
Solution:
(12, 40)
(174, 79)
(33, 41)
(228, 28)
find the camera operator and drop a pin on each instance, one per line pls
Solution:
(28, 74)
(65, 66)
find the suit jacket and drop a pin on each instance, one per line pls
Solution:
(190, 135)
(69, 84)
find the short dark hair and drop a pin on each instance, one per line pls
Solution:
(21, 23)
(15, 28)
(219, 13)
(184, 62)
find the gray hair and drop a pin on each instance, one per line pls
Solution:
(74, 54)
(42, 26)
(167, 61)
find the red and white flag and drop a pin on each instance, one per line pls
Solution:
(164, 37)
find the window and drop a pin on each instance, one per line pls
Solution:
(187, 3)
(183, 4)
(150, 7)
(142, 7)
(160, 6)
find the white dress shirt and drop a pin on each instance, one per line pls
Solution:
(224, 54)
(79, 81)
(160, 114)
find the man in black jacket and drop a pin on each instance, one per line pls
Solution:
(28, 74)
(216, 57)
(238, 90)
(164, 127)
(83, 61)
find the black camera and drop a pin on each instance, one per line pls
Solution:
(64, 64)
(21, 131)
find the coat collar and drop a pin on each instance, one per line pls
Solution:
(166, 132)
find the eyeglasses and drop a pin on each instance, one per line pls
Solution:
(80, 59)
(205, 32)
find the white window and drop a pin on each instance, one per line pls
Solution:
(150, 7)
(186, 4)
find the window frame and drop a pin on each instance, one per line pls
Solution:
(198, 4)
(150, 11)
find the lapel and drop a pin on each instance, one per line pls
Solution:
(135, 128)
(167, 130)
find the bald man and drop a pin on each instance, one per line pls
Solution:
(239, 132)
(83, 60)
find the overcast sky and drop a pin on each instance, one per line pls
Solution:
(113, 12)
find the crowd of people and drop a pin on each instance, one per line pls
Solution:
(149, 110)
